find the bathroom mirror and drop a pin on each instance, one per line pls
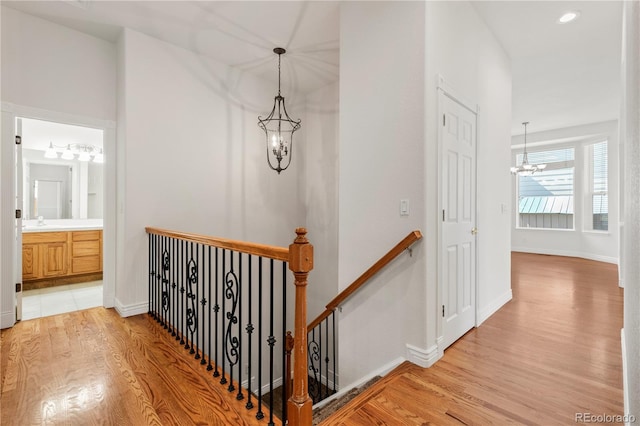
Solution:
(61, 185)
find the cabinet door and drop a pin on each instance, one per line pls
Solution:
(54, 259)
(30, 262)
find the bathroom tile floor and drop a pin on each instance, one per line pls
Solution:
(60, 299)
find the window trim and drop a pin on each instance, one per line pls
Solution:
(589, 192)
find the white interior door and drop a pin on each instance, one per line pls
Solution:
(458, 238)
(18, 233)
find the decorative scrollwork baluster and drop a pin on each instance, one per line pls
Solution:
(192, 314)
(231, 339)
(314, 359)
(166, 262)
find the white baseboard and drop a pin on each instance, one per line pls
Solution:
(7, 319)
(423, 357)
(492, 308)
(625, 383)
(131, 310)
(568, 253)
(265, 388)
(382, 371)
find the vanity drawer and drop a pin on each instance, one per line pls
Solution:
(85, 235)
(81, 265)
(85, 248)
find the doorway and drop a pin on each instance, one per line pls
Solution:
(11, 290)
(61, 198)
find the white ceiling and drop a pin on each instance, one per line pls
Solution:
(563, 75)
(242, 34)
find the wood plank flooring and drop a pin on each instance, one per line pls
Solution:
(552, 352)
(92, 367)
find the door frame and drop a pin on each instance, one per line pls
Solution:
(10, 112)
(444, 89)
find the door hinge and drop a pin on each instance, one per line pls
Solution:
(444, 119)
(18, 213)
(18, 140)
(18, 287)
(443, 215)
(443, 311)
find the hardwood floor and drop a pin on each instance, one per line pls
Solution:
(92, 367)
(552, 352)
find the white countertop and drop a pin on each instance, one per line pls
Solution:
(57, 225)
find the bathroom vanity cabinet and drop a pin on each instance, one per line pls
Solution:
(50, 257)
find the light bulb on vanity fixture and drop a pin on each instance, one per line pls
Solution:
(50, 152)
(84, 152)
(67, 154)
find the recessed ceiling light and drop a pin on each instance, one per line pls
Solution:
(568, 17)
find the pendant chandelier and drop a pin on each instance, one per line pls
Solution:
(526, 169)
(278, 128)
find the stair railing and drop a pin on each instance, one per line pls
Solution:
(322, 362)
(209, 294)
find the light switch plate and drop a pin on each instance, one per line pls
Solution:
(404, 207)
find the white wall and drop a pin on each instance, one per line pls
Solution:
(52, 72)
(630, 137)
(52, 67)
(580, 242)
(462, 50)
(191, 157)
(319, 180)
(381, 161)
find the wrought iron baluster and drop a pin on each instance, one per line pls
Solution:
(284, 333)
(271, 341)
(231, 340)
(313, 355)
(249, 330)
(240, 395)
(174, 287)
(333, 320)
(196, 303)
(150, 257)
(326, 356)
(192, 312)
(260, 414)
(320, 360)
(166, 260)
(223, 380)
(152, 297)
(216, 310)
(211, 334)
(182, 290)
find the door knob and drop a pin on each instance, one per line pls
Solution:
(474, 231)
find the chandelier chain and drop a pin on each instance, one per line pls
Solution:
(279, 56)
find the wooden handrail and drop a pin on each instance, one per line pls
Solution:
(271, 252)
(362, 279)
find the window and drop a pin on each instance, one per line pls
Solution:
(545, 199)
(598, 183)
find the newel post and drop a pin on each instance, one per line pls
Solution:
(300, 262)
